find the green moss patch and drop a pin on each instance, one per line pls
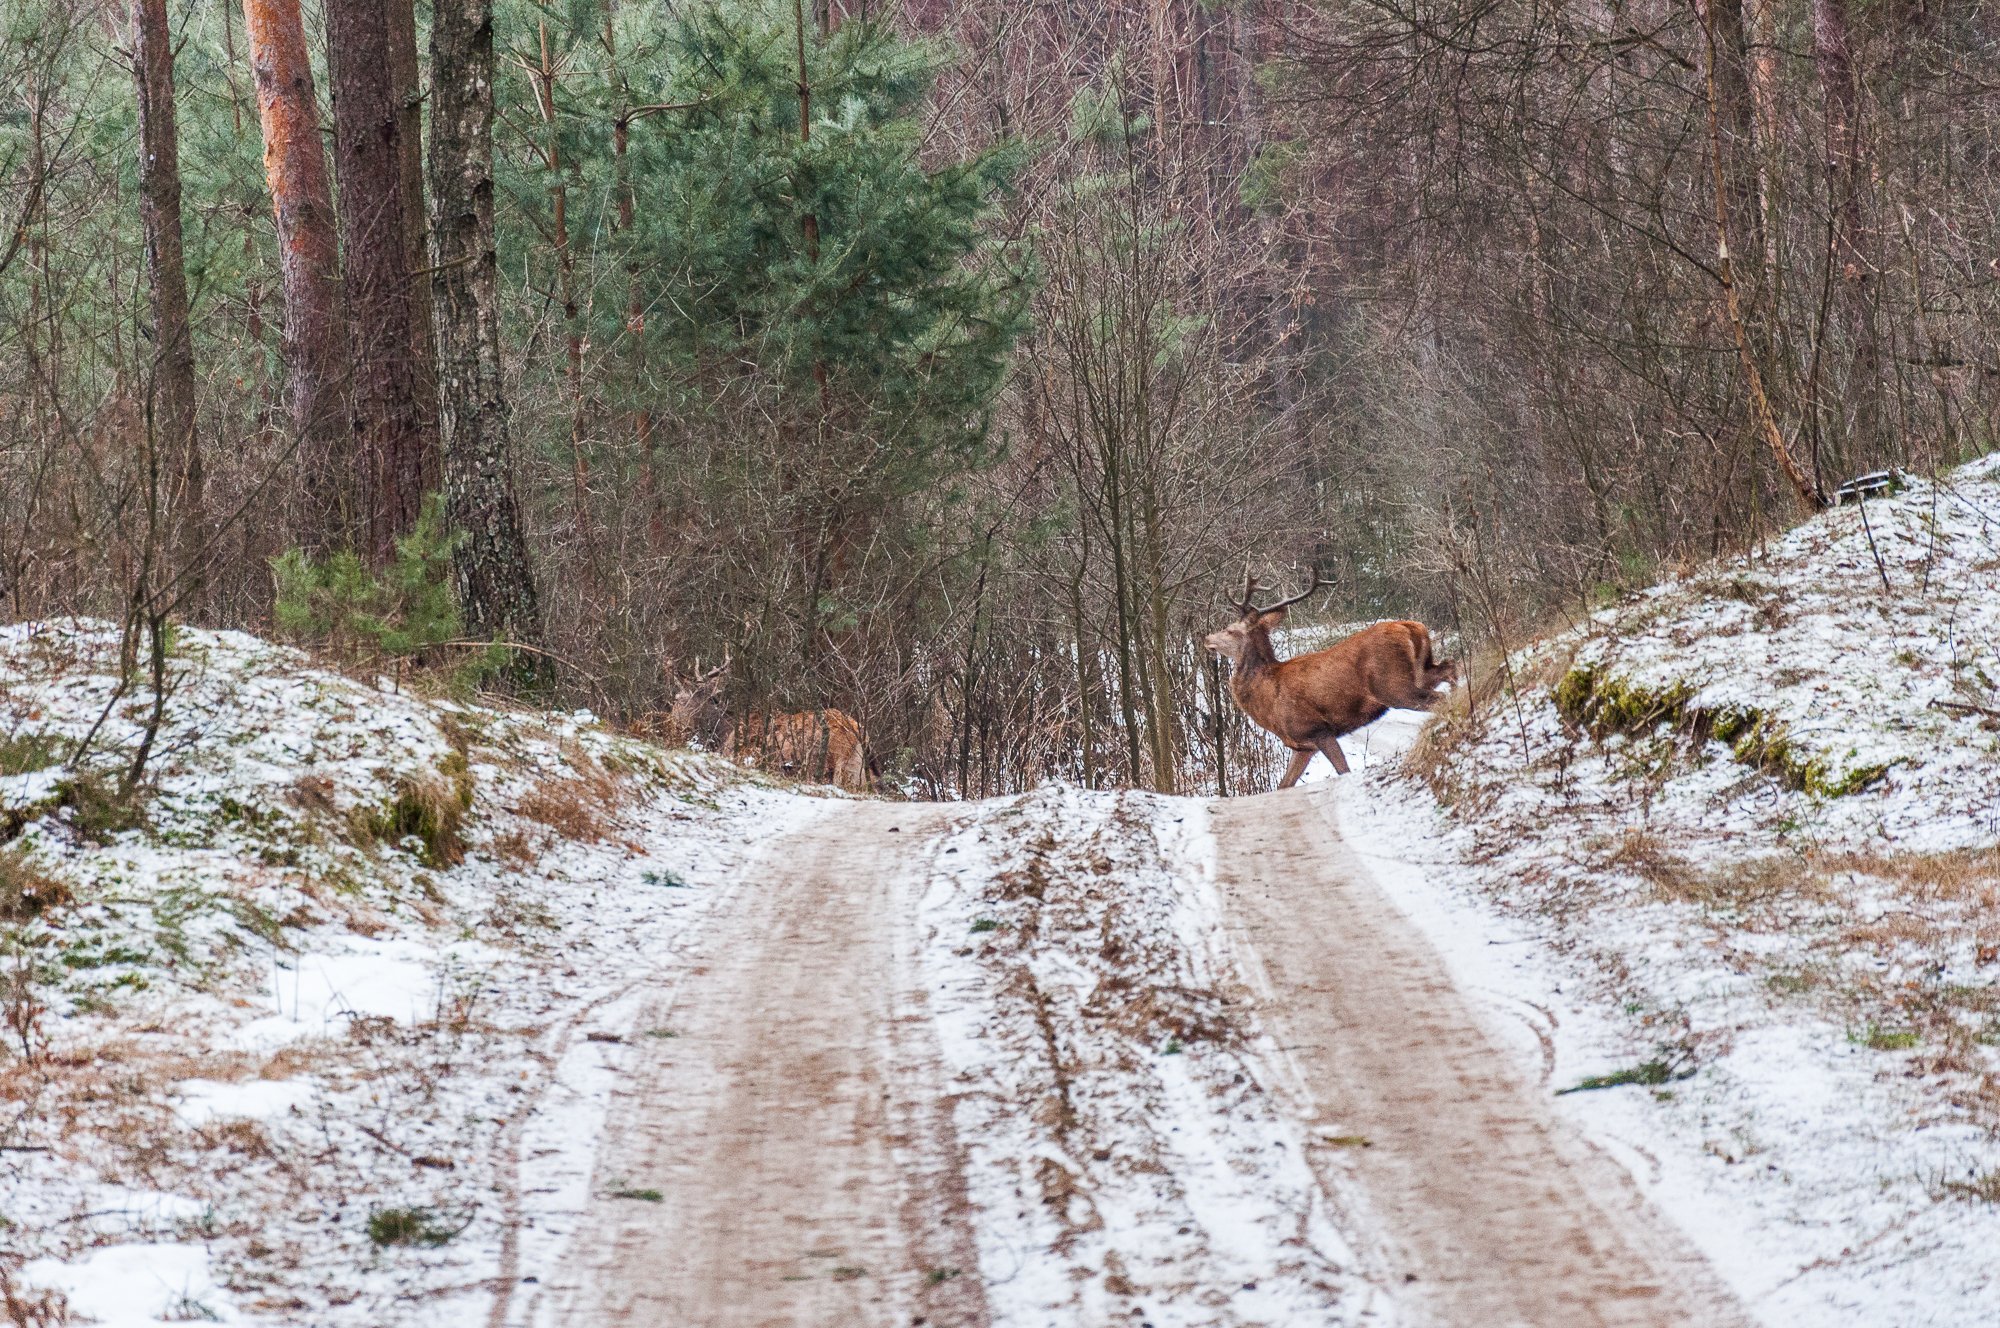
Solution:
(1603, 703)
(420, 1227)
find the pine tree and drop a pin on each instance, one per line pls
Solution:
(316, 351)
(785, 222)
(792, 210)
(392, 448)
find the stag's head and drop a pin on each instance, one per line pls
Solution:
(1249, 636)
(698, 711)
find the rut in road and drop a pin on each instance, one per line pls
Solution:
(1491, 1211)
(791, 1123)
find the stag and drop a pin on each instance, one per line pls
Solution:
(1312, 701)
(817, 745)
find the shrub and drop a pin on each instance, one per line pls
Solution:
(23, 753)
(97, 809)
(432, 809)
(361, 616)
(409, 1226)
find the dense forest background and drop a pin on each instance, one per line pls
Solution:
(945, 363)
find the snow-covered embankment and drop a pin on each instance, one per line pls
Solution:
(312, 1029)
(1733, 861)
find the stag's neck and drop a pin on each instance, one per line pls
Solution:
(1257, 657)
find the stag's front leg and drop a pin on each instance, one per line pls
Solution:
(1299, 763)
(1333, 753)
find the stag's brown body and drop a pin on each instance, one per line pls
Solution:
(820, 746)
(1311, 701)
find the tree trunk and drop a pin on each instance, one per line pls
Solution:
(173, 419)
(395, 454)
(315, 342)
(1765, 96)
(1736, 115)
(496, 586)
(545, 76)
(1763, 416)
(1850, 263)
(410, 104)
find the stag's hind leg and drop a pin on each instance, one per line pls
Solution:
(1299, 763)
(1331, 746)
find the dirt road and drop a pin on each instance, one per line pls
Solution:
(799, 1136)
(787, 1122)
(1490, 1211)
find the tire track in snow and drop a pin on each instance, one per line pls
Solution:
(768, 1162)
(1498, 1215)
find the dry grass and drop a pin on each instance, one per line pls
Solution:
(1752, 882)
(567, 806)
(428, 807)
(26, 891)
(1473, 707)
(577, 806)
(312, 794)
(515, 849)
(1972, 876)
(29, 1307)
(1929, 993)
(658, 726)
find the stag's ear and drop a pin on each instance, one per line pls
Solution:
(1271, 618)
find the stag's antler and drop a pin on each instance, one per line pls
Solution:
(1318, 583)
(1250, 588)
(713, 673)
(1246, 604)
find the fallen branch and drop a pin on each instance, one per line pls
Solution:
(1965, 707)
(596, 683)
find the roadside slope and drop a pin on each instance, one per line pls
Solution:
(1737, 840)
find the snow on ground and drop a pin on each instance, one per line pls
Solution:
(1727, 850)
(1126, 1155)
(323, 1035)
(311, 1039)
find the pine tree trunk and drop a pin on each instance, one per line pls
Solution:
(410, 106)
(315, 342)
(495, 583)
(395, 454)
(173, 405)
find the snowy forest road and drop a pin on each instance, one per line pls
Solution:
(781, 1112)
(1490, 1211)
(798, 1123)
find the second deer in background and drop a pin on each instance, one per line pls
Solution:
(822, 746)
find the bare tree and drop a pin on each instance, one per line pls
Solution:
(171, 385)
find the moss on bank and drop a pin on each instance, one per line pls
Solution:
(1604, 703)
